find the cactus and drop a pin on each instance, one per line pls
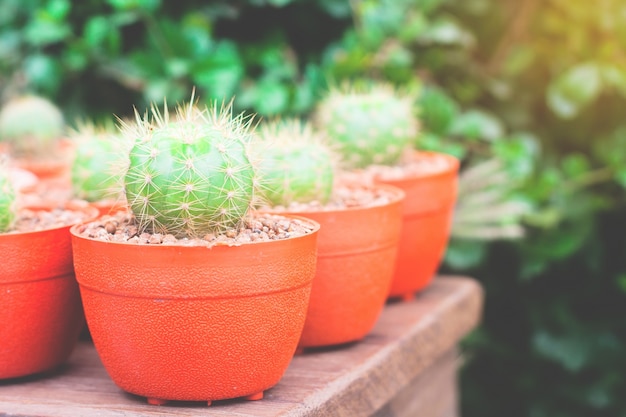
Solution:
(7, 197)
(437, 111)
(371, 124)
(193, 175)
(97, 161)
(297, 166)
(31, 125)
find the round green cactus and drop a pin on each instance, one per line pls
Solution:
(371, 124)
(31, 125)
(7, 197)
(98, 157)
(193, 175)
(297, 165)
(437, 111)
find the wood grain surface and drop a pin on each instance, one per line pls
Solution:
(386, 374)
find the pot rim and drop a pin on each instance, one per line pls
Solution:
(453, 165)
(398, 196)
(73, 205)
(316, 227)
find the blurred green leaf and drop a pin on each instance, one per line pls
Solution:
(432, 142)
(520, 154)
(44, 72)
(575, 165)
(96, 31)
(58, 9)
(271, 98)
(177, 67)
(336, 8)
(477, 124)
(220, 72)
(621, 282)
(124, 5)
(573, 90)
(279, 3)
(446, 32)
(572, 352)
(437, 110)
(75, 58)
(44, 30)
(614, 76)
(464, 254)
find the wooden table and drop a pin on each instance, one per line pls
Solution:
(407, 366)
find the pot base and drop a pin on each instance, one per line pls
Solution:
(160, 401)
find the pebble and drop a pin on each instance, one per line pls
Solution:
(120, 228)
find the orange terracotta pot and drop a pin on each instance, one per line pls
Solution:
(427, 220)
(357, 250)
(40, 309)
(54, 167)
(195, 323)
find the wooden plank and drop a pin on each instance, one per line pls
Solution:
(353, 380)
(433, 393)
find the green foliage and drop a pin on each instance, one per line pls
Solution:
(296, 164)
(98, 159)
(140, 51)
(437, 111)
(31, 126)
(371, 124)
(192, 175)
(7, 197)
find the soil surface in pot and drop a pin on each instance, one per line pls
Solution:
(34, 219)
(122, 228)
(357, 195)
(412, 164)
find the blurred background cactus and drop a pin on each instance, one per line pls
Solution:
(7, 196)
(295, 163)
(369, 123)
(31, 125)
(193, 175)
(99, 156)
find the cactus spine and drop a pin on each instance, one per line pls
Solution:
(297, 165)
(7, 197)
(31, 125)
(193, 175)
(371, 124)
(98, 158)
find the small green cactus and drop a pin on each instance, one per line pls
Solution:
(437, 111)
(31, 125)
(296, 165)
(7, 197)
(193, 175)
(371, 124)
(98, 157)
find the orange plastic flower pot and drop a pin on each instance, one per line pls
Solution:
(427, 220)
(195, 323)
(357, 251)
(50, 167)
(40, 309)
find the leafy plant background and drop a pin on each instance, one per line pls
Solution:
(529, 94)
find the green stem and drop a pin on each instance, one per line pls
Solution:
(590, 178)
(161, 42)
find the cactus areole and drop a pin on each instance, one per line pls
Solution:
(191, 176)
